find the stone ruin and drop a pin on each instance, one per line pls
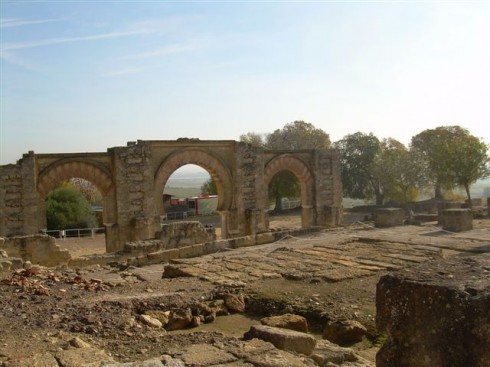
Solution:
(131, 180)
(436, 315)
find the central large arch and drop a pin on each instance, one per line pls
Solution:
(287, 162)
(216, 169)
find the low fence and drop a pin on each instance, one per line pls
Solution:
(74, 232)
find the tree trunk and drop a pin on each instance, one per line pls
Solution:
(379, 198)
(467, 188)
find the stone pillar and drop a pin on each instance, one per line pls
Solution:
(436, 315)
(249, 190)
(328, 188)
(457, 220)
(224, 223)
(388, 217)
(329, 215)
(307, 216)
(32, 212)
(111, 238)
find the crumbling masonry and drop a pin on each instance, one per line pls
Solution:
(131, 180)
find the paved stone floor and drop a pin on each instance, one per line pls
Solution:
(336, 255)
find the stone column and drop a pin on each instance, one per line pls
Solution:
(224, 223)
(307, 216)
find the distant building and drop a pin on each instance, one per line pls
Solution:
(195, 205)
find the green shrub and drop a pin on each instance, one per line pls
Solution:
(66, 207)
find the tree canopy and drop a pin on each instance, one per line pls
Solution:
(451, 157)
(377, 169)
(66, 207)
(297, 135)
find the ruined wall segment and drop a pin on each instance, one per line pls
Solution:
(132, 178)
(11, 194)
(136, 210)
(328, 184)
(248, 218)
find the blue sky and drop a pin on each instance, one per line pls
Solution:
(81, 76)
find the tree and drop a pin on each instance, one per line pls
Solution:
(209, 187)
(398, 171)
(66, 207)
(255, 139)
(358, 153)
(293, 136)
(451, 157)
(377, 169)
(298, 135)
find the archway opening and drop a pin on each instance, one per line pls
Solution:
(74, 212)
(191, 194)
(284, 201)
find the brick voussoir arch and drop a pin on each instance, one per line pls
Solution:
(287, 162)
(50, 177)
(215, 167)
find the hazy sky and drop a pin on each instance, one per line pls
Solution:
(80, 76)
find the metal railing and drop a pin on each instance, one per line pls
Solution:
(74, 232)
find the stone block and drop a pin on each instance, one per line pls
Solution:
(344, 332)
(163, 256)
(287, 321)
(191, 251)
(388, 217)
(288, 340)
(457, 220)
(245, 241)
(263, 238)
(446, 205)
(436, 314)
(215, 246)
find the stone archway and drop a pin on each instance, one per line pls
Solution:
(216, 169)
(287, 162)
(51, 176)
(64, 169)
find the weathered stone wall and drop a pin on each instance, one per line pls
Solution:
(185, 234)
(436, 315)
(328, 188)
(249, 190)
(132, 178)
(11, 191)
(38, 249)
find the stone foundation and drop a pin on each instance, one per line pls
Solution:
(38, 249)
(186, 233)
(436, 315)
(388, 217)
(457, 220)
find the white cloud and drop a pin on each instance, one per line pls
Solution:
(61, 40)
(167, 50)
(17, 22)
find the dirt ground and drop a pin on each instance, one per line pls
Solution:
(327, 276)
